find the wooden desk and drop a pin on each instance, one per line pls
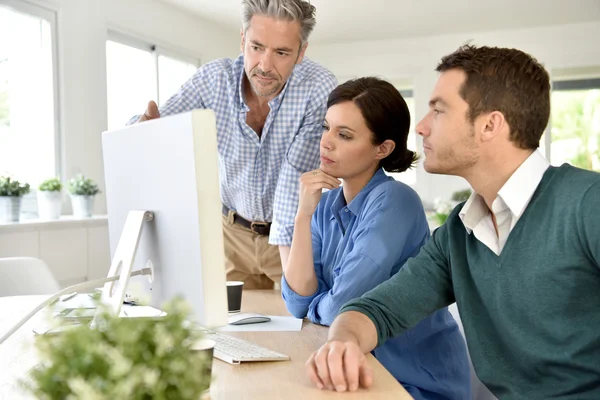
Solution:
(287, 379)
(269, 380)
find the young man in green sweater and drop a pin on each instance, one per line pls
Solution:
(521, 258)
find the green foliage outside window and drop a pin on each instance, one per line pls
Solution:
(576, 128)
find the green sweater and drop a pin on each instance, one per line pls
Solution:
(531, 315)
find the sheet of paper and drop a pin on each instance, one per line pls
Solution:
(82, 305)
(140, 311)
(81, 300)
(276, 324)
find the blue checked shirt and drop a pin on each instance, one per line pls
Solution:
(259, 175)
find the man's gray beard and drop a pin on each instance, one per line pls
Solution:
(262, 93)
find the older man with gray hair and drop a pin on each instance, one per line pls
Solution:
(270, 104)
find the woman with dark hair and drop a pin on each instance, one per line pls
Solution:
(354, 237)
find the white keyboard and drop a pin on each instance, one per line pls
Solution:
(234, 350)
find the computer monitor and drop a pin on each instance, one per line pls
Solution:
(169, 166)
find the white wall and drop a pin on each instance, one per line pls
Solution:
(82, 34)
(565, 46)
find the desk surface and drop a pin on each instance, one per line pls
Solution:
(268, 380)
(287, 379)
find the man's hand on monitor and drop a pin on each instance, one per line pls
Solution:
(339, 366)
(150, 113)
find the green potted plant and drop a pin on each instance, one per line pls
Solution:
(82, 192)
(11, 195)
(49, 197)
(124, 358)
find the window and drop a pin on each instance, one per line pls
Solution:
(131, 82)
(138, 72)
(409, 176)
(575, 124)
(172, 73)
(29, 139)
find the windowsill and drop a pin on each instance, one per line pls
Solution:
(65, 221)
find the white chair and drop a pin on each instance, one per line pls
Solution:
(26, 276)
(478, 389)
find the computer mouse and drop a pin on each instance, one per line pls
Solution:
(247, 318)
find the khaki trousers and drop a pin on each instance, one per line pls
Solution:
(249, 257)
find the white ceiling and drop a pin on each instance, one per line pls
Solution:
(351, 20)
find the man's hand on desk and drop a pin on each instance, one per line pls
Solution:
(340, 366)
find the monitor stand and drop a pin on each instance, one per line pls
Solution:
(113, 293)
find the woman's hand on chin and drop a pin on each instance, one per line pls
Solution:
(312, 184)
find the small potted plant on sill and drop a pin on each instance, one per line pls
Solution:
(11, 196)
(49, 197)
(82, 192)
(124, 358)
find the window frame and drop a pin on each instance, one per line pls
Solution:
(35, 9)
(49, 15)
(406, 89)
(157, 50)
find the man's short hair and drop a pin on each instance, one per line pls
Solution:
(505, 80)
(287, 10)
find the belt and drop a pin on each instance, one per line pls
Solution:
(262, 228)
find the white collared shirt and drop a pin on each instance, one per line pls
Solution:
(509, 205)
